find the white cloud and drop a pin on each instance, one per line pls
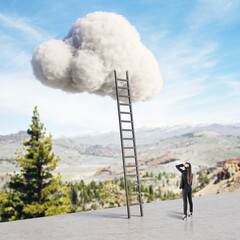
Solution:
(85, 59)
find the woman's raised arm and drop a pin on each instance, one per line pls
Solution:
(179, 167)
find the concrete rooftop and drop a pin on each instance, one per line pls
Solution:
(214, 217)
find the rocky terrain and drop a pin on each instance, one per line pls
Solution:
(227, 179)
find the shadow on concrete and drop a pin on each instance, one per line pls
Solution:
(110, 215)
(175, 214)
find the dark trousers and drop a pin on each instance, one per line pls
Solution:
(187, 194)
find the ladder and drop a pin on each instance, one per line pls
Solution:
(127, 143)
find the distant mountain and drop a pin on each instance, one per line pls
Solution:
(153, 135)
(143, 135)
(14, 137)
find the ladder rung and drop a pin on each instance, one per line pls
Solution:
(124, 96)
(126, 121)
(134, 194)
(130, 130)
(125, 112)
(130, 157)
(133, 184)
(133, 165)
(129, 147)
(123, 87)
(128, 138)
(120, 79)
(131, 175)
(134, 204)
(125, 104)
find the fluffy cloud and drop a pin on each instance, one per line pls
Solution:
(95, 46)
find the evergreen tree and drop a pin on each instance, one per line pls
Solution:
(151, 190)
(74, 195)
(122, 184)
(35, 192)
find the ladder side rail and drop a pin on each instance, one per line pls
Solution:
(122, 145)
(134, 142)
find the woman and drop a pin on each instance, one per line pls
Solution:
(186, 186)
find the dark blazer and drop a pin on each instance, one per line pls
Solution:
(183, 184)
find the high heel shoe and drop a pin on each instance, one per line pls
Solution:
(190, 214)
(184, 216)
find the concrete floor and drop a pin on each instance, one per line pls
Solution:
(215, 217)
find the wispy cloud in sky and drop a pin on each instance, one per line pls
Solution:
(23, 26)
(18, 35)
(208, 12)
(12, 56)
(235, 87)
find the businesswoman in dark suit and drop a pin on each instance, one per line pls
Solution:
(186, 186)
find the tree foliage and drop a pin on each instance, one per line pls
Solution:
(35, 191)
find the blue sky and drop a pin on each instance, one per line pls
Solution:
(197, 45)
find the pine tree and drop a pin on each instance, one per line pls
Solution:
(74, 195)
(159, 176)
(151, 190)
(35, 192)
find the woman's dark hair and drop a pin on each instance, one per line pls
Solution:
(189, 173)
